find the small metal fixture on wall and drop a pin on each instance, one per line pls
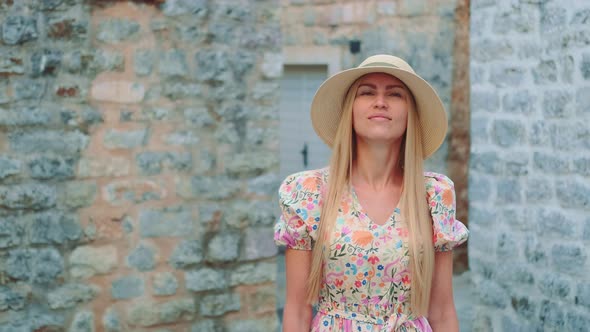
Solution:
(354, 46)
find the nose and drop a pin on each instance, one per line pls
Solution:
(380, 101)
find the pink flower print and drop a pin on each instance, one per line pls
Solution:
(345, 230)
(338, 247)
(359, 262)
(338, 282)
(406, 279)
(432, 203)
(310, 206)
(358, 284)
(403, 232)
(373, 259)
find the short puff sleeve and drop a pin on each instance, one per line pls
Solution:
(300, 203)
(448, 232)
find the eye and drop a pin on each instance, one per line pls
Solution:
(366, 93)
(395, 94)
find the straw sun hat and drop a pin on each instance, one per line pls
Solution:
(326, 108)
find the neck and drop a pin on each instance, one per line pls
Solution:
(377, 165)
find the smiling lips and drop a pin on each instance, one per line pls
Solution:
(380, 117)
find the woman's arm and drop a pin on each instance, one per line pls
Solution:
(297, 312)
(442, 315)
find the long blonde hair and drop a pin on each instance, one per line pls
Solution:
(413, 205)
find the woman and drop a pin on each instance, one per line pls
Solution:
(369, 238)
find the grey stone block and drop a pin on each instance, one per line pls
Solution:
(516, 163)
(9, 167)
(553, 19)
(145, 314)
(582, 296)
(253, 325)
(545, 72)
(507, 76)
(114, 30)
(86, 261)
(28, 89)
(524, 306)
(11, 232)
(223, 247)
(51, 167)
(553, 222)
(175, 90)
(187, 253)
(143, 62)
(213, 65)
(583, 100)
(111, 320)
(152, 162)
(554, 286)
(217, 305)
(485, 100)
(25, 116)
(127, 287)
(205, 279)
(83, 322)
(182, 137)
(551, 315)
(34, 318)
(192, 33)
(60, 142)
(577, 322)
(206, 325)
(581, 166)
(165, 222)
(567, 137)
(521, 101)
(487, 50)
(11, 63)
(142, 258)
(508, 133)
(34, 265)
(506, 247)
(492, 294)
(199, 116)
(27, 196)
(164, 284)
(71, 295)
(534, 252)
(79, 194)
(45, 62)
(508, 191)
(19, 29)
(515, 20)
(551, 163)
(539, 134)
(253, 273)
(558, 104)
(224, 187)
(569, 258)
(173, 63)
(259, 243)
(538, 190)
(573, 194)
(54, 228)
(197, 9)
(12, 299)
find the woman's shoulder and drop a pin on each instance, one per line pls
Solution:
(308, 180)
(438, 180)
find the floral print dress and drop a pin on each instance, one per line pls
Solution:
(366, 280)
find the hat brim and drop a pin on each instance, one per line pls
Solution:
(326, 107)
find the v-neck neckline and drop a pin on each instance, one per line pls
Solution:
(390, 220)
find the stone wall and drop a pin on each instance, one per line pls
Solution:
(138, 161)
(529, 184)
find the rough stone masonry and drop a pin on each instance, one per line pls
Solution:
(529, 183)
(138, 160)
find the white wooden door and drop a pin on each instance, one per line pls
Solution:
(300, 147)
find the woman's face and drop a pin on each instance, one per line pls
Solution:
(380, 108)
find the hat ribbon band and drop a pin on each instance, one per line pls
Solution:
(380, 64)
